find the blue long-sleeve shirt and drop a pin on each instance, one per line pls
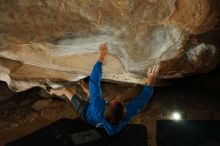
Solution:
(96, 107)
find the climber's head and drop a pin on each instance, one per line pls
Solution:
(114, 111)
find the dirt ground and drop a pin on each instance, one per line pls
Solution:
(196, 97)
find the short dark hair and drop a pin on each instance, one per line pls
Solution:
(114, 111)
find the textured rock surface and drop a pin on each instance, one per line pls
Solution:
(196, 16)
(5, 93)
(57, 40)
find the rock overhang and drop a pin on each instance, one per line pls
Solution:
(57, 41)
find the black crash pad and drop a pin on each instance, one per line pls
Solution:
(188, 133)
(69, 132)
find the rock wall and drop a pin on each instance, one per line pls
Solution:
(56, 41)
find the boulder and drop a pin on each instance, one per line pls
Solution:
(57, 41)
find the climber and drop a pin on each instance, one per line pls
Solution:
(112, 115)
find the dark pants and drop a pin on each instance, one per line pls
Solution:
(95, 90)
(80, 106)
